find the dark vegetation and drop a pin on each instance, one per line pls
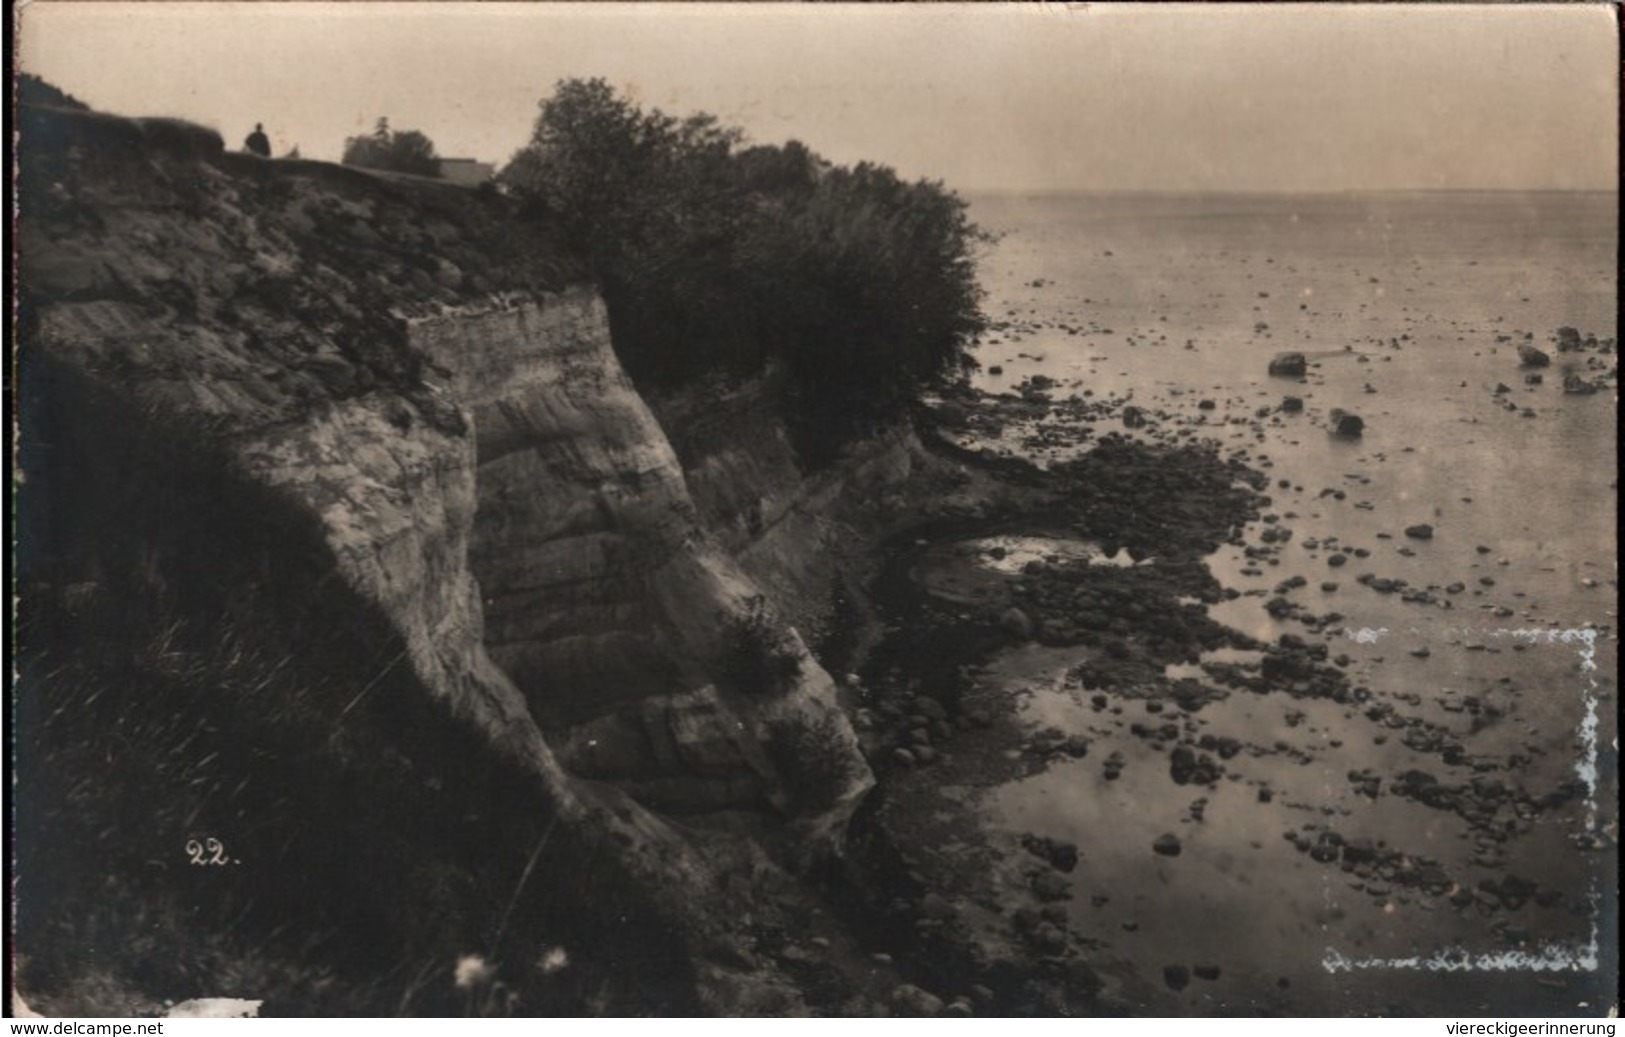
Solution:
(397, 151)
(192, 671)
(31, 89)
(854, 286)
(816, 762)
(758, 656)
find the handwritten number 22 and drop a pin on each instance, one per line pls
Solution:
(208, 852)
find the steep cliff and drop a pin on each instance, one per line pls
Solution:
(337, 493)
(607, 601)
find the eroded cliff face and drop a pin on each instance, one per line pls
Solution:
(423, 419)
(807, 537)
(607, 600)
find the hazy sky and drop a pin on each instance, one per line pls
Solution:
(1044, 96)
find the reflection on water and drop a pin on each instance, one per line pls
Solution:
(1012, 554)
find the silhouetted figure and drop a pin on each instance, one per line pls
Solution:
(258, 142)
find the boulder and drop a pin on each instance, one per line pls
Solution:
(1167, 845)
(1420, 531)
(1061, 855)
(1529, 356)
(1187, 767)
(1017, 624)
(1359, 851)
(1292, 404)
(1346, 425)
(1289, 365)
(1568, 339)
(1049, 886)
(1574, 385)
(911, 1001)
(1050, 939)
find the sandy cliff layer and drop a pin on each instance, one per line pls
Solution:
(419, 402)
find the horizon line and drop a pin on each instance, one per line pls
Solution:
(1030, 192)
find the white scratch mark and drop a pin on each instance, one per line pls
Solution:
(1550, 957)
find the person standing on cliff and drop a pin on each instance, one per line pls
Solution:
(258, 142)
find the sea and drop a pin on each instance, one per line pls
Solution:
(1409, 308)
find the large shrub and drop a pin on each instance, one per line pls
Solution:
(858, 286)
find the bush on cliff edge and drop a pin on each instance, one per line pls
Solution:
(718, 258)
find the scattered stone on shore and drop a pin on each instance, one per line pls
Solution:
(1060, 855)
(1017, 624)
(1575, 385)
(1048, 886)
(1133, 417)
(1289, 365)
(1178, 977)
(1345, 425)
(912, 1001)
(1568, 339)
(1292, 404)
(1167, 845)
(1533, 379)
(1529, 356)
(1036, 383)
(1049, 938)
(1114, 763)
(1188, 767)
(1420, 531)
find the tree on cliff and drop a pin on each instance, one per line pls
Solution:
(857, 286)
(399, 151)
(649, 199)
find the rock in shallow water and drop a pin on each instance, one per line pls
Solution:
(1529, 356)
(1049, 886)
(1289, 365)
(1346, 425)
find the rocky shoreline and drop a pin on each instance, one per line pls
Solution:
(1090, 575)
